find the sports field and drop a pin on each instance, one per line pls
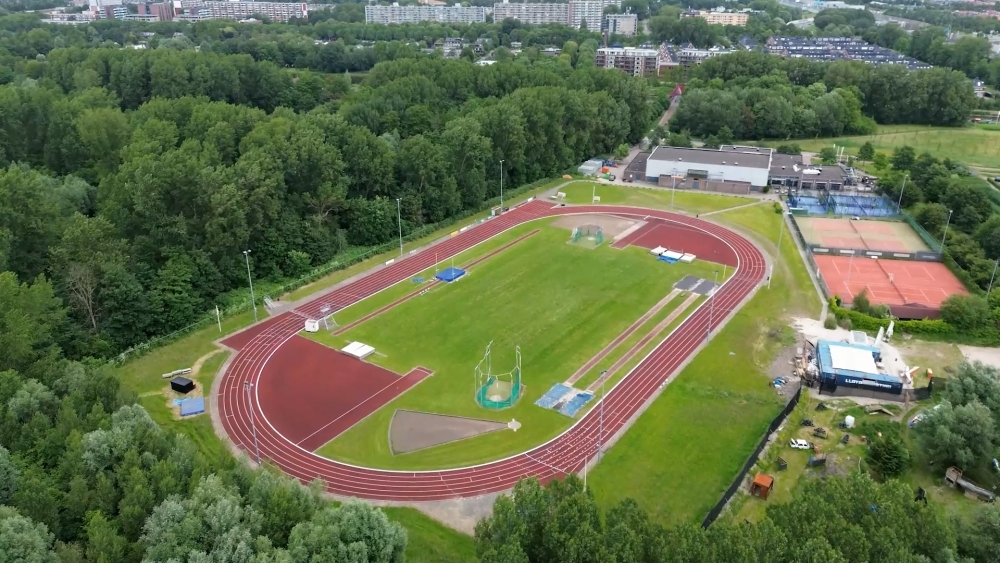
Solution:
(560, 302)
(684, 201)
(977, 146)
(889, 236)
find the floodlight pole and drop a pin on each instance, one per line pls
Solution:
(501, 187)
(993, 277)
(600, 435)
(253, 300)
(673, 187)
(945, 230)
(711, 308)
(899, 204)
(399, 220)
(253, 424)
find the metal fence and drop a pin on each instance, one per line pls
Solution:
(932, 242)
(918, 256)
(719, 506)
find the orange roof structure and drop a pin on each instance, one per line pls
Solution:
(763, 480)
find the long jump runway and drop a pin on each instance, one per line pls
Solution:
(564, 454)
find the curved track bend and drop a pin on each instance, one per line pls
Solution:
(567, 453)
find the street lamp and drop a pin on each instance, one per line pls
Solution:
(899, 204)
(253, 424)
(711, 307)
(253, 300)
(399, 219)
(945, 230)
(600, 434)
(501, 186)
(993, 277)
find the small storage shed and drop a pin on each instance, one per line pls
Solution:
(182, 385)
(761, 485)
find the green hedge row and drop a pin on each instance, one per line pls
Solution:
(935, 328)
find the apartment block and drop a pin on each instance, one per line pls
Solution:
(532, 13)
(720, 18)
(277, 11)
(589, 11)
(621, 24)
(633, 61)
(412, 14)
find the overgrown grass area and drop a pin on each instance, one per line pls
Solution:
(977, 146)
(684, 201)
(683, 452)
(340, 275)
(561, 303)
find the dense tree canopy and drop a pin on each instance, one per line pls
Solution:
(761, 96)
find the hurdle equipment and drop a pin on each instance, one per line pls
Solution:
(497, 391)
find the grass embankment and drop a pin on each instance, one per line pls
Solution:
(684, 451)
(561, 303)
(684, 201)
(977, 146)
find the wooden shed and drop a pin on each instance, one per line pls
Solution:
(761, 485)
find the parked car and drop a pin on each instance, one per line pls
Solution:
(799, 444)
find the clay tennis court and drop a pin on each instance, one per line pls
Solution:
(679, 238)
(311, 394)
(888, 236)
(889, 282)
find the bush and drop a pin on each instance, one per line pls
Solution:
(766, 188)
(831, 321)
(967, 312)
(845, 323)
(778, 209)
(888, 455)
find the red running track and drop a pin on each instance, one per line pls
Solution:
(564, 454)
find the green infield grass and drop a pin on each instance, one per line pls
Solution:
(559, 302)
(684, 201)
(684, 451)
(977, 146)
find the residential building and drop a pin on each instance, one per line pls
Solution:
(163, 12)
(838, 48)
(719, 18)
(634, 61)
(532, 13)
(411, 14)
(621, 24)
(590, 12)
(277, 11)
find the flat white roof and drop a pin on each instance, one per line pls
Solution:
(844, 357)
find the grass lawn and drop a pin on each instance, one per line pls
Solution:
(977, 146)
(685, 201)
(365, 265)
(684, 451)
(559, 302)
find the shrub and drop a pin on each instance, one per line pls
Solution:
(888, 455)
(966, 312)
(777, 208)
(845, 323)
(830, 322)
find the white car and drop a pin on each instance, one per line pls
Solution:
(799, 445)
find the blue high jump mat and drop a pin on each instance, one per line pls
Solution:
(192, 406)
(573, 406)
(450, 274)
(553, 395)
(667, 259)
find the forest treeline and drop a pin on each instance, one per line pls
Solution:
(132, 181)
(760, 96)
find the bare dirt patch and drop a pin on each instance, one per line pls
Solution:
(410, 431)
(611, 226)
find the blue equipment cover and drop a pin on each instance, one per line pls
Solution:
(573, 406)
(549, 399)
(193, 406)
(450, 274)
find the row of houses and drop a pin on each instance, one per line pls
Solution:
(838, 48)
(185, 10)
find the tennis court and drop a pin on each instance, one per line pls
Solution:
(888, 236)
(889, 282)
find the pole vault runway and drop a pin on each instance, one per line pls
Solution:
(567, 453)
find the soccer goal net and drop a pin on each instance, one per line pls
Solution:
(497, 390)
